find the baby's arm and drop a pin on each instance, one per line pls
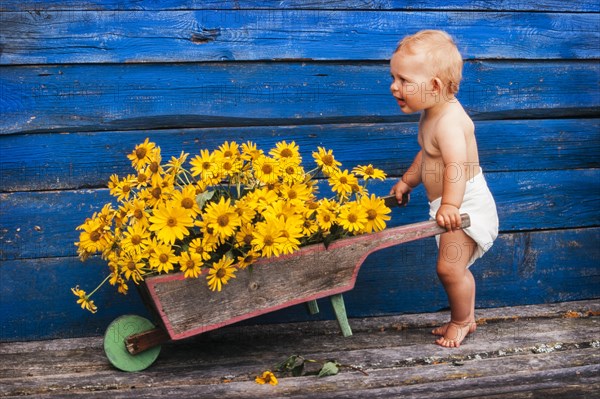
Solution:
(453, 147)
(408, 181)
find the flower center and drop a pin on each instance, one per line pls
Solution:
(95, 236)
(142, 178)
(269, 240)
(131, 265)
(136, 239)
(248, 239)
(221, 273)
(138, 214)
(290, 170)
(371, 214)
(154, 167)
(156, 192)
(172, 222)
(343, 180)
(327, 159)
(369, 170)
(140, 153)
(189, 264)
(326, 218)
(126, 188)
(163, 258)
(352, 218)
(267, 169)
(206, 165)
(223, 220)
(187, 203)
(286, 153)
(292, 194)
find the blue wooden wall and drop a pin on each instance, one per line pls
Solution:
(82, 82)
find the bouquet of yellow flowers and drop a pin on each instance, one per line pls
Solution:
(222, 211)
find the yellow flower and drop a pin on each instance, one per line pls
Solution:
(190, 263)
(326, 214)
(287, 151)
(377, 213)
(134, 239)
(94, 237)
(204, 165)
(244, 211)
(369, 172)
(343, 183)
(222, 218)
(84, 300)
(292, 232)
(326, 161)
(268, 237)
(297, 194)
(186, 199)
(175, 165)
(261, 198)
(266, 169)
(121, 189)
(228, 150)
(291, 171)
(267, 377)
(131, 265)
(250, 152)
(247, 259)
(136, 209)
(201, 248)
(352, 217)
(140, 156)
(170, 222)
(243, 238)
(162, 258)
(220, 273)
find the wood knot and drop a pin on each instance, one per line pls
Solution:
(253, 286)
(205, 36)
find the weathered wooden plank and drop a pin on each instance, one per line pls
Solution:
(58, 37)
(42, 224)
(521, 268)
(88, 159)
(377, 5)
(140, 96)
(403, 361)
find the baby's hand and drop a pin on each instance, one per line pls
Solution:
(401, 191)
(448, 216)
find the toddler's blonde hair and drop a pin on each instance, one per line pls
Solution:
(442, 53)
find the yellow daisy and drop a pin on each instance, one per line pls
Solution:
(247, 259)
(190, 264)
(243, 238)
(369, 172)
(228, 150)
(198, 246)
(326, 161)
(287, 151)
(135, 238)
(220, 273)
(175, 165)
(268, 237)
(266, 378)
(170, 222)
(94, 237)
(377, 213)
(163, 258)
(222, 218)
(343, 183)
(326, 214)
(140, 156)
(186, 199)
(132, 265)
(204, 165)
(84, 300)
(291, 172)
(250, 152)
(352, 217)
(297, 194)
(266, 170)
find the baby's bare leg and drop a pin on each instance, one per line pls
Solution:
(456, 249)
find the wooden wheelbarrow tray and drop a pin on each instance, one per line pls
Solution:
(187, 307)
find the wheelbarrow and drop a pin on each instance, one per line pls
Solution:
(187, 307)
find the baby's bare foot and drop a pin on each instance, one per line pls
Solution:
(455, 333)
(441, 330)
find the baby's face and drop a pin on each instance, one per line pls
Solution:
(411, 81)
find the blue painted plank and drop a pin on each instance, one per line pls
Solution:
(58, 37)
(42, 224)
(125, 97)
(520, 269)
(375, 5)
(88, 159)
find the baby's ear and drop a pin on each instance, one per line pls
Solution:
(437, 84)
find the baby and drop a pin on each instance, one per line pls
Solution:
(426, 70)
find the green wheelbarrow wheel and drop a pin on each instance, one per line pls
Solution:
(114, 343)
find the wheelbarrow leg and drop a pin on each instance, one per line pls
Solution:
(313, 308)
(337, 301)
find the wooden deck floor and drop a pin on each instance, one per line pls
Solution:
(519, 352)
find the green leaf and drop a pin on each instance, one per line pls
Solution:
(204, 197)
(329, 368)
(298, 370)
